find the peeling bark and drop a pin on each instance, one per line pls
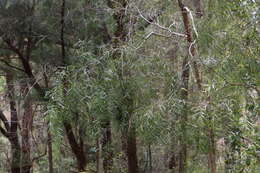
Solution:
(184, 90)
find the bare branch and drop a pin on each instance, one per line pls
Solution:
(3, 131)
(13, 48)
(151, 34)
(9, 65)
(4, 120)
(162, 27)
(40, 156)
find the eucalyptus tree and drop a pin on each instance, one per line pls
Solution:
(30, 39)
(129, 73)
(224, 47)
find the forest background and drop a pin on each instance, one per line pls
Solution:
(120, 86)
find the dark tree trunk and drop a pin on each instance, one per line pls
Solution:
(27, 120)
(50, 159)
(16, 154)
(77, 149)
(12, 131)
(184, 89)
(107, 147)
(97, 156)
(149, 158)
(131, 151)
(49, 135)
(212, 152)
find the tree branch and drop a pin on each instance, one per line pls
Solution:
(160, 26)
(3, 131)
(9, 65)
(4, 120)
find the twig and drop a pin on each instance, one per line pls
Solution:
(161, 27)
(17, 68)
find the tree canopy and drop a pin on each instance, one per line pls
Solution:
(120, 86)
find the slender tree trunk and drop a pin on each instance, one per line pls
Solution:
(149, 159)
(190, 48)
(49, 135)
(131, 151)
(212, 152)
(107, 150)
(50, 158)
(16, 154)
(184, 90)
(13, 136)
(97, 156)
(183, 144)
(26, 162)
(27, 120)
(173, 164)
(77, 148)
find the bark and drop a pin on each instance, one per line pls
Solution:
(149, 167)
(185, 83)
(77, 148)
(120, 35)
(212, 152)
(26, 162)
(191, 48)
(97, 156)
(6, 128)
(131, 151)
(49, 135)
(16, 154)
(26, 68)
(27, 120)
(50, 158)
(12, 133)
(184, 90)
(173, 163)
(107, 147)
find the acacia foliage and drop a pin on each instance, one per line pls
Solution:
(145, 80)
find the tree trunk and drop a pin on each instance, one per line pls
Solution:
(16, 154)
(131, 151)
(106, 147)
(212, 152)
(149, 165)
(184, 90)
(190, 48)
(98, 156)
(50, 159)
(12, 132)
(77, 149)
(49, 135)
(27, 120)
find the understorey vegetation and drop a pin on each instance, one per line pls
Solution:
(120, 86)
